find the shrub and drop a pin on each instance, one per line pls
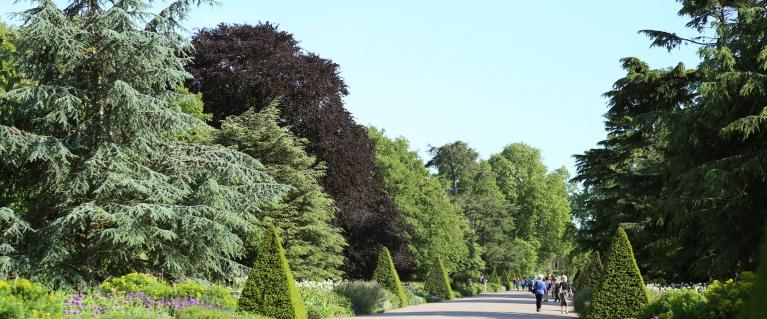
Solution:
(271, 289)
(468, 289)
(438, 283)
(418, 289)
(325, 304)
(136, 282)
(753, 307)
(494, 287)
(366, 296)
(494, 279)
(386, 275)
(725, 299)
(582, 301)
(413, 298)
(622, 291)
(198, 312)
(21, 298)
(677, 304)
(591, 275)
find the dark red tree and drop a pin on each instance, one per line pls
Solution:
(241, 66)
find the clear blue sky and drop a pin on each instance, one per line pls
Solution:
(487, 72)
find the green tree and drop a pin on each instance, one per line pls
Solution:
(104, 185)
(437, 224)
(313, 246)
(454, 162)
(621, 291)
(9, 76)
(271, 289)
(590, 276)
(437, 282)
(386, 275)
(754, 303)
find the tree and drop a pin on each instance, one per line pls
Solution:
(9, 76)
(102, 185)
(621, 291)
(313, 246)
(453, 161)
(437, 224)
(590, 276)
(541, 197)
(437, 282)
(386, 275)
(238, 67)
(753, 307)
(271, 289)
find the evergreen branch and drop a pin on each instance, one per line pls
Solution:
(670, 40)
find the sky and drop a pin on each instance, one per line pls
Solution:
(490, 73)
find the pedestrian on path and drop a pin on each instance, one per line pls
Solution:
(555, 288)
(564, 293)
(540, 289)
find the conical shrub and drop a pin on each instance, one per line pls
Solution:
(386, 275)
(271, 289)
(508, 281)
(437, 282)
(621, 291)
(589, 277)
(754, 306)
(494, 279)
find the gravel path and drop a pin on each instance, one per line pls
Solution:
(510, 304)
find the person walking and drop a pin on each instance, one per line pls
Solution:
(548, 288)
(540, 289)
(564, 292)
(555, 289)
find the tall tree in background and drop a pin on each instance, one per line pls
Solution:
(542, 199)
(105, 187)
(683, 162)
(313, 246)
(8, 72)
(237, 67)
(454, 162)
(438, 225)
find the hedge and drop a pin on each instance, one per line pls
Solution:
(271, 289)
(589, 277)
(621, 291)
(754, 306)
(494, 279)
(437, 282)
(386, 275)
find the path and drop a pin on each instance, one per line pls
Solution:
(510, 304)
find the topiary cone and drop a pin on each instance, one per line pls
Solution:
(386, 275)
(621, 291)
(271, 289)
(437, 282)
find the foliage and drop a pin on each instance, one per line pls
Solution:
(238, 67)
(313, 246)
(727, 298)
(694, 211)
(437, 224)
(386, 275)
(621, 291)
(467, 290)
(104, 186)
(136, 282)
(437, 282)
(9, 76)
(494, 278)
(271, 289)
(325, 304)
(366, 297)
(582, 301)
(753, 308)
(678, 304)
(591, 276)
(21, 298)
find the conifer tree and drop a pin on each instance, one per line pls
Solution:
(437, 282)
(386, 275)
(105, 187)
(313, 246)
(621, 292)
(271, 289)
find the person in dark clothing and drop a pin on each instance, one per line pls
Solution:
(540, 289)
(555, 288)
(563, 292)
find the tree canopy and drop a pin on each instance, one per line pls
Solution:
(238, 67)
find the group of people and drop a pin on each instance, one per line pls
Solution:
(555, 286)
